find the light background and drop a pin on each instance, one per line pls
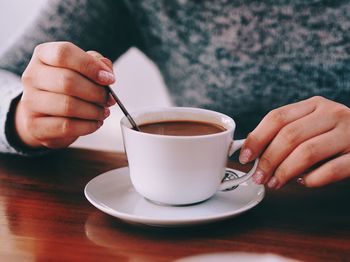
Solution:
(139, 83)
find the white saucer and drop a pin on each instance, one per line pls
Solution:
(236, 257)
(113, 193)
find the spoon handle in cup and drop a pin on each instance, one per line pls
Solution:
(122, 107)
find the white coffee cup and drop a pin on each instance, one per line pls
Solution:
(180, 170)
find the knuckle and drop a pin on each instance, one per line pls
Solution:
(89, 66)
(266, 164)
(278, 116)
(290, 136)
(253, 141)
(282, 174)
(38, 49)
(68, 107)
(94, 53)
(61, 52)
(317, 99)
(27, 78)
(309, 153)
(66, 127)
(340, 112)
(333, 169)
(67, 82)
(251, 137)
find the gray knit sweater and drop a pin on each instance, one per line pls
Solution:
(239, 57)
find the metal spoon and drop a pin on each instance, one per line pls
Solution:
(122, 107)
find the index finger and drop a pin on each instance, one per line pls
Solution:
(271, 124)
(70, 56)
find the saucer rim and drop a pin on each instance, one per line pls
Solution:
(161, 222)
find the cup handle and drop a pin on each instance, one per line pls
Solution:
(236, 145)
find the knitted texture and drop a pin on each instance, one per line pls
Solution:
(243, 58)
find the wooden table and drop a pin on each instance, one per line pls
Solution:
(44, 216)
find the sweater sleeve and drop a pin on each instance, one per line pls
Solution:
(105, 26)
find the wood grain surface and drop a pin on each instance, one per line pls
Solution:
(44, 216)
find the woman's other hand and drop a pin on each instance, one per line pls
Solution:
(308, 140)
(63, 95)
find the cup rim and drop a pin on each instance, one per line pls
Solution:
(125, 122)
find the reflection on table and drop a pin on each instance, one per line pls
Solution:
(44, 216)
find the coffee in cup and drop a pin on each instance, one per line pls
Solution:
(180, 155)
(181, 128)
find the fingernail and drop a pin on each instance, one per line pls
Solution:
(258, 177)
(105, 77)
(106, 113)
(111, 101)
(301, 181)
(273, 182)
(245, 156)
